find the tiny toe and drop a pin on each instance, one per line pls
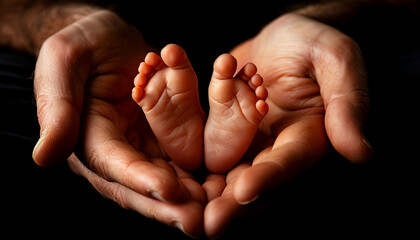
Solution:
(256, 80)
(140, 80)
(261, 93)
(247, 72)
(174, 56)
(262, 107)
(145, 69)
(139, 68)
(154, 61)
(224, 67)
(137, 94)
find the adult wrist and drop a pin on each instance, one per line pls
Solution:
(26, 28)
(57, 18)
(338, 14)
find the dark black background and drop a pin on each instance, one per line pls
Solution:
(333, 199)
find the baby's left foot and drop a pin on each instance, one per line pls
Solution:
(237, 106)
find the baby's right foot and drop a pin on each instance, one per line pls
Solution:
(237, 106)
(166, 88)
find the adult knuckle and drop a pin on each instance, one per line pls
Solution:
(348, 42)
(349, 50)
(57, 41)
(63, 47)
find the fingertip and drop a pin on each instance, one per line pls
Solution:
(192, 223)
(356, 149)
(182, 229)
(246, 191)
(343, 123)
(251, 200)
(35, 152)
(214, 186)
(58, 138)
(165, 187)
(256, 180)
(367, 143)
(217, 215)
(366, 150)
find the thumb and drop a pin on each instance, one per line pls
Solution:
(59, 93)
(342, 77)
(344, 121)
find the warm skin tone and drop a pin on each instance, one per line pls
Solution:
(116, 141)
(326, 99)
(301, 114)
(237, 107)
(166, 89)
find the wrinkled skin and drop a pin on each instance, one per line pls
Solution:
(317, 91)
(83, 81)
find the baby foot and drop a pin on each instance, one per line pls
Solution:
(237, 106)
(166, 88)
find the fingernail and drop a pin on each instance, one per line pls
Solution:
(40, 141)
(180, 227)
(158, 197)
(367, 142)
(250, 201)
(218, 236)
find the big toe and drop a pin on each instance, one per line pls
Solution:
(174, 56)
(224, 66)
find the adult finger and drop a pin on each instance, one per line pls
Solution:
(186, 215)
(195, 190)
(107, 153)
(59, 78)
(222, 209)
(214, 186)
(341, 74)
(219, 213)
(297, 148)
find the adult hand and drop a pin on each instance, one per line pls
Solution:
(186, 214)
(317, 88)
(83, 80)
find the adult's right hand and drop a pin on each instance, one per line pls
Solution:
(83, 80)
